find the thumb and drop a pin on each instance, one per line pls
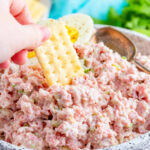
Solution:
(33, 35)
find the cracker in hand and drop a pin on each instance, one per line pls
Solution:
(57, 56)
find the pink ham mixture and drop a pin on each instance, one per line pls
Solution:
(107, 106)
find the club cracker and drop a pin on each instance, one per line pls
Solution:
(57, 56)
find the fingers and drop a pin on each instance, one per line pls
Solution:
(45, 33)
(24, 17)
(20, 57)
(4, 65)
(20, 11)
(33, 36)
(26, 37)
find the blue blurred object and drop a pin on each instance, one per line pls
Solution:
(95, 8)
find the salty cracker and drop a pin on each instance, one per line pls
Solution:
(57, 56)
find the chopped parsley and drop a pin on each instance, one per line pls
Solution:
(94, 114)
(123, 57)
(55, 123)
(64, 148)
(87, 70)
(36, 134)
(34, 146)
(131, 125)
(21, 92)
(26, 125)
(13, 85)
(25, 78)
(100, 116)
(107, 92)
(84, 61)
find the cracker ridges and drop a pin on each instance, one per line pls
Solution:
(57, 56)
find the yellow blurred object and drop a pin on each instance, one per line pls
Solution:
(31, 54)
(82, 23)
(37, 9)
(73, 33)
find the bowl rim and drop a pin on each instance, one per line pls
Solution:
(145, 37)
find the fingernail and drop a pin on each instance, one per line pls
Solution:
(46, 33)
(4, 65)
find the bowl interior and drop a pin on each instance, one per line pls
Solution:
(141, 143)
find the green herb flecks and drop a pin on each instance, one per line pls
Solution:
(94, 114)
(13, 85)
(83, 62)
(135, 16)
(87, 70)
(34, 146)
(21, 92)
(107, 92)
(101, 116)
(26, 125)
(131, 125)
(64, 148)
(55, 123)
(123, 57)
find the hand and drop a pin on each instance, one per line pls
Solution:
(17, 32)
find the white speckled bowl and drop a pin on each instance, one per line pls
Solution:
(142, 43)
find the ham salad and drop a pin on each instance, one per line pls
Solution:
(109, 105)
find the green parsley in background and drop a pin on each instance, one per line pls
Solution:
(135, 16)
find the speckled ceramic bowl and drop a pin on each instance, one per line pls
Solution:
(142, 43)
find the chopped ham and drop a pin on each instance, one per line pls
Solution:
(109, 105)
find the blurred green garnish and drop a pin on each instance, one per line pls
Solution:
(55, 123)
(87, 70)
(13, 85)
(123, 57)
(107, 92)
(21, 92)
(135, 16)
